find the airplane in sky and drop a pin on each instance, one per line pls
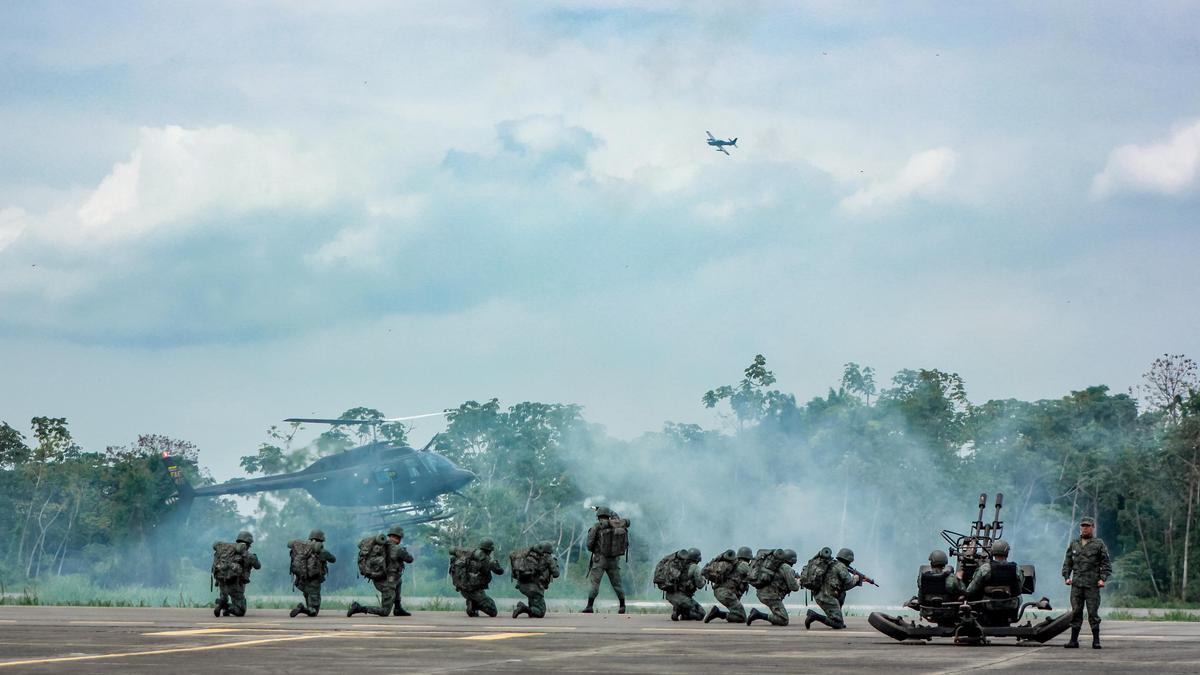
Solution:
(719, 143)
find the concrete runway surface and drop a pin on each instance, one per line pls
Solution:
(98, 640)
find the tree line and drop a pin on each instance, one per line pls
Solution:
(881, 466)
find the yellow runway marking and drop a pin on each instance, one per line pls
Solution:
(521, 628)
(384, 626)
(194, 631)
(731, 631)
(499, 636)
(111, 623)
(153, 652)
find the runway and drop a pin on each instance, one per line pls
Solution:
(99, 640)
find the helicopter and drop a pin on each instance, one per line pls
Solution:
(386, 480)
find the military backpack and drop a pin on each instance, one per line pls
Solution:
(525, 563)
(670, 572)
(372, 557)
(460, 568)
(812, 576)
(229, 562)
(614, 539)
(306, 560)
(719, 569)
(763, 567)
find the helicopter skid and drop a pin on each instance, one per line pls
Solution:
(900, 629)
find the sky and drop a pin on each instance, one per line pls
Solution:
(214, 215)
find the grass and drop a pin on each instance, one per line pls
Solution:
(1167, 615)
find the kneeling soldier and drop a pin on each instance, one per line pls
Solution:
(310, 564)
(532, 570)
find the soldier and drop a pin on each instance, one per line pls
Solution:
(479, 570)
(608, 540)
(310, 564)
(395, 557)
(782, 582)
(730, 586)
(998, 581)
(231, 570)
(1085, 569)
(838, 580)
(939, 581)
(683, 605)
(533, 583)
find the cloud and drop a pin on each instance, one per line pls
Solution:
(1168, 168)
(924, 175)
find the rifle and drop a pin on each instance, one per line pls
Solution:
(864, 577)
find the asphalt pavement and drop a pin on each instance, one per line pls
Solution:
(126, 640)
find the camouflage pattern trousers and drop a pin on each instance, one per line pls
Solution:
(311, 588)
(601, 566)
(389, 597)
(732, 599)
(478, 601)
(233, 597)
(1081, 596)
(774, 602)
(685, 606)
(832, 608)
(536, 595)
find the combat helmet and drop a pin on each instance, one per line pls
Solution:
(693, 554)
(745, 553)
(317, 535)
(245, 537)
(938, 558)
(544, 547)
(604, 512)
(846, 555)
(397, 530)
(789, 556)
(1000, 547)
(487, 545)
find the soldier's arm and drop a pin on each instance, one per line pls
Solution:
(254, 562)
(977, 578)
(405, 555)
(554, 572)
(592, 535)
(790, 575)
(329, 557)
(496, 568)
(1068, 563)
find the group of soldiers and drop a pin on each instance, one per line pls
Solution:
(679, 575)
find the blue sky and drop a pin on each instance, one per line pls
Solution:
(215, 215)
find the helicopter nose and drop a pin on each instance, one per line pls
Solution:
(460, 477)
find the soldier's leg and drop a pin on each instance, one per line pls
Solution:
(237, 600)
(1092, 600)
(485, 604)
(537, 602)
(385, 589)
(595, 573)
(1077, 605)
(468, 604)
(222, 599)
(733, 602)
(833, 614)
(614, 578)
(779, 613)
(398, 608)
(312, 597)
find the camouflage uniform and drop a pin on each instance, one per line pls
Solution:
(683, 604)
(389, 587)
(980, 580)
(838, 579)
(730, 591)
(772, 594)
(311, 587)
(232, 600)
(534, 588)
(1086, 564)
(601, 564)
(476, 596)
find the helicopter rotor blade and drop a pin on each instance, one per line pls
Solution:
(386, 420)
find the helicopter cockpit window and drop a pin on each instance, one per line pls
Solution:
(414, 471)
(430, 464)
(384, 475)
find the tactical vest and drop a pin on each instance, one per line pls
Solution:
(1003, 581)
(933, 584)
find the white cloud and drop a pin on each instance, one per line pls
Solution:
(925, 174)
(12, 224)
(175, 173)
(353, 247)
(1168, 168)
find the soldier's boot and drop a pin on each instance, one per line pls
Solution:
(221, 605)
(1073, 643)
(715, 613)
(472, 611)
(490, 611)
(355, 608)
(755, 615)
(1095, 637)
(588, 609)
(813, 616)
(520, 609)
(310, 611)
(400, 611)
(674, 615)
(298, 609)
(621, 607)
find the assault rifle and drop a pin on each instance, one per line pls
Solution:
(864, 577)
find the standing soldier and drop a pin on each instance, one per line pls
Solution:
(471, 571)
(381, 559)
(310, 564)
(608, 540)
(532, 571)
(729, 574)
(838, 580)
(1085, 569)
(772, 586)
(231, 570)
